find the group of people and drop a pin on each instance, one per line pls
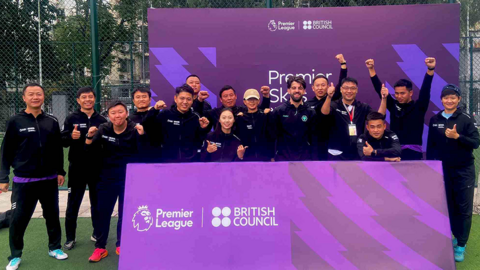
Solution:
(333, 125)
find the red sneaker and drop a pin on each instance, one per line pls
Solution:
(117, 251)
(98, 254)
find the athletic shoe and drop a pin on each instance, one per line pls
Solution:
(454, 242)
(459, 253)
(93, 238)
(58, 254)
(14, 263)
(117, 250)
(69, 245)
(98, 254)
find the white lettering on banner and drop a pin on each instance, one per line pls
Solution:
(174, 219)
(277, 80)
(286, 26)
(244, 216)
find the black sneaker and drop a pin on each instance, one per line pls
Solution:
(93, 238)
(69, 245)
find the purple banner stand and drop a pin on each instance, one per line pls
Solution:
(299, 215)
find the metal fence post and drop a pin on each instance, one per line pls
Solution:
(471, 101)
(95, 53)
(269, 3)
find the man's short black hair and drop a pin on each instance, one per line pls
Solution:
(32, 85)
(319, 77)
(85, 90)
(403, 82)
(142, 90)
(375, 116)
(184, 88)
(297, 79)
(115, 103)
(349, 79)
(225, 88)
(192, 75)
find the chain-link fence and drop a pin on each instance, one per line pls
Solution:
(49, 41)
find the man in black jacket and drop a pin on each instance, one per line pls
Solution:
(74, 131)
(452, 136)
(200, 103)
(141, 98)
(407, 117)
(349, 117)
(228, 97)
(179, 130)
(295, 125)
(378, 144)
(255, 129)
(319, 87)
(32, 146)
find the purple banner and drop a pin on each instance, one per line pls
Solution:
(300, 215)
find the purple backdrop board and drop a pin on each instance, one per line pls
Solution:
(301, 215)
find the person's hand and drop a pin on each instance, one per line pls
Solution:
(211, 147)
(241, 151)
(370, 64)
(4, 187)
(202, 95)
(367, 150)
(452, 133)
(91, 131)
(340, 58)
(265, 90)
(267, 110)
(331, 90)
(140, 129)
(160, 105)
(430, 62)
(203, 122)
(75, 133)
(384, 92)
(60, 180)
(395, 159)
(240, 114)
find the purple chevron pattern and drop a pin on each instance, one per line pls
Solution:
(322, 215)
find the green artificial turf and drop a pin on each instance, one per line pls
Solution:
(35, 254)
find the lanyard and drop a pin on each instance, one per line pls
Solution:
(350, 113)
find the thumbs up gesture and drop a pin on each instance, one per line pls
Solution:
(384, 92)
(76, 133)
(331, 90)
(367, 150)
(211, 147)
(452, 133)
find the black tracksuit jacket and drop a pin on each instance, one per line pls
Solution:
(77, 154)
(387, 146)
(256, 131)
(407, 120)
(32, 147)
(117, 150)
(296, 132)
(454, 153)
(227, 145)
(179, 135)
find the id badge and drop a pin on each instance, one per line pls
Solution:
(352, 130)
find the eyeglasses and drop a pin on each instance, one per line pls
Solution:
(346, 88)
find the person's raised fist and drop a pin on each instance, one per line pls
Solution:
(202, 95)
(430, 62)
(370, 64)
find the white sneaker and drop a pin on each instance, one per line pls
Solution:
(58, 254)
(93, 238)
(14, 264)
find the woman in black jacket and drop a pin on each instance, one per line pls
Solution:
(222, 145)
(452, 136)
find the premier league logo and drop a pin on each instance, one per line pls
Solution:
(272, 26)
(142, 219)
